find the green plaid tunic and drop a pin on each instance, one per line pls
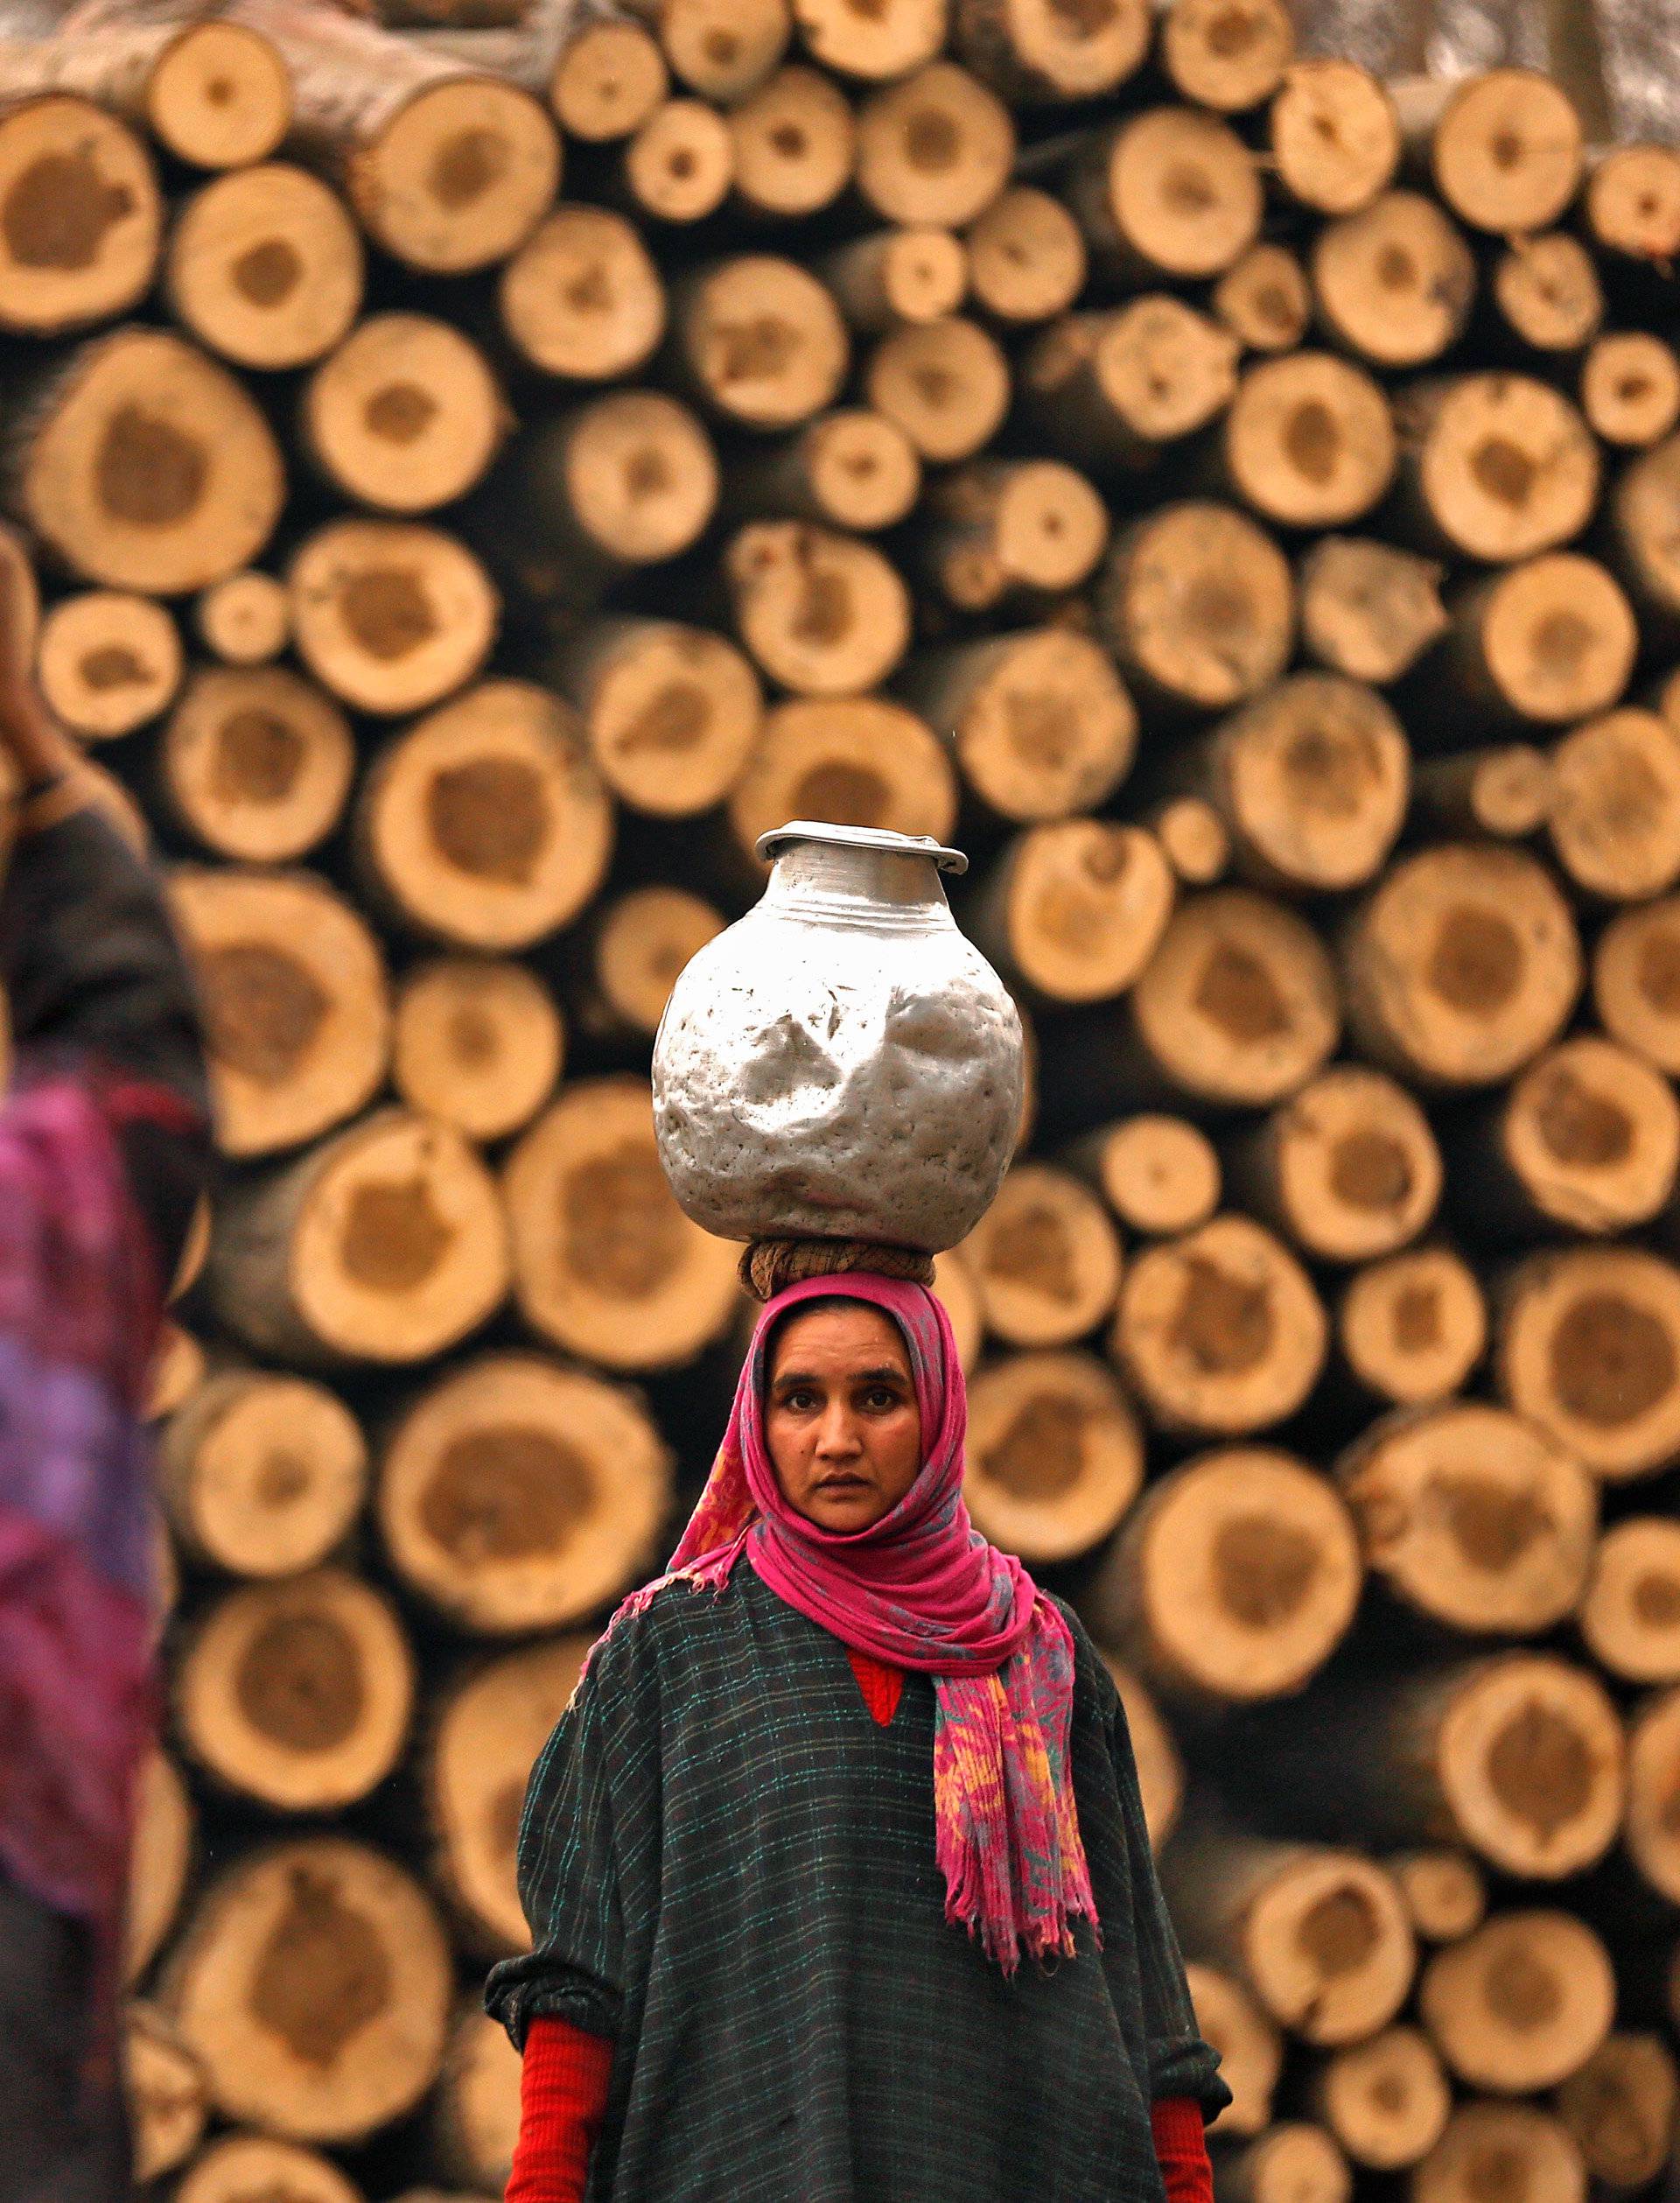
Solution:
(728, 1866)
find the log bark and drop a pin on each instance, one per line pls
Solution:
(238, 2164)
(1056, 1456)
(244, 620)
(1334, 134)
(1026, 255)
(264, 267)
(1629, 1618)
(1072, 911)
(294, 1003)
(851, 469)
(1394, 283)
(1348, 1168)
(261, 1474)
(108, 661)
(296, 1694)
(1496, 467)
(1171, 194)
(1197, 603)
(605, 1264)
(314, 1984)
(1224, 57)
(1367, 610)
(1387, 2102)
(1047, 1259)
(1532, 2150)
(1233, 1579)
(1036, 54)
(1520, 2004)
(761, 341)
(390, 615)
(215, 95)
(1112, 389)
(486, 1731)
(256, 763)
(1622, 2109)
(160, 1863)
(936, 147)
(796, 145)
(911, 274)
(1653, 1829)
(1504, 149)
(1473, 1517)
(1587, 1345)
(407, 414)
(855, 761)
(1551, 640)
(1412, 1328)
(1250, 2044)
(1011, 531)
(485, 826)
(516, 1494)
(1614, 818)
(1264, 299)
(1630, 388)
(167, 2093)
(821, 614)
(385, 1244)
(1445, 1892)
(1636, 981)
(477, 1042)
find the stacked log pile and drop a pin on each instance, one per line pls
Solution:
(482, 484)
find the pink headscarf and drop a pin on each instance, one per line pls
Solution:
(923, 1589)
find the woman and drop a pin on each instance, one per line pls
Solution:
(836, 1866)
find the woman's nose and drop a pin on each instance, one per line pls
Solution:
(837, 1433)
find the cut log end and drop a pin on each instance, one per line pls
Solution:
(406, 415)
(1630, 388)
(391, 614)
(265, 267)
(610, 79)
(167, 2098)
(1294, 2162)
(81, 215)
(1630, 1617)
(1508, 2145)
(1198, 601)
(1615, 812)
(795, 144)
(1047, 1257)
(1413, 1327)
(1055, 1457)
(937, 147)
(1622, 2110)
(1653, 1833)
(638, 951)
(1027, 257)
(1508, 151)
(1335, 138)
(1522, 2002)
(1529, 1759)
(477, 1042)
(1309, 440)
(1264, 299)
(1636, 981)
(1160, 1175)
(860, 761)
(245, 620)
(1445, 1892)
(242, 2164)
(1348, 1167)
(679, 164)
(459, 177)
(256, 764)
(1394, 283)
(1174, 192)
(1548, 291)
(263, 1474)
(1227, 57)
(1588, 1347)
(1250, 2044)
(822, 613)
(1367, 610)
(108, 661)
(1387, 2100)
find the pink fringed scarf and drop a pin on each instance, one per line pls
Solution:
(923, 1589)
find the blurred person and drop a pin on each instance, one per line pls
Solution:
(104, 1150)
(837, 1869)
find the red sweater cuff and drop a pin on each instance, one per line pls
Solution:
(561, 2103)
(1182, 2148)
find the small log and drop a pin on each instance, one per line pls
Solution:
(1387, 2102)
(1308, 441)
(945, 384)
(1639, 517)
(255, 762)
(1636, 981)
(679, 164)
(1194, 839)
(108, 661)
(1160, 1769)
(1504, 149)
(851, 468)
(900, 36)
(159, 1861)
(243, 2164)
(1367, 610)
(1587, 1138)
(177, 1366)
(822, 613)
(1036, 54)
(1502, 793)
(296, 1694)
(1292, 2163)
(83, 215)
(1197, 602)
(1171, 194)
(1629, 1619)
(1160, 1175)
(384, 1243)
(1503, 2144)
(261, 1474)
(1473, 1517)
(1334, 134)
(246, 620)
(1230, 59)
(1632, 203)
(1588, 1346)
(1497, 466)
(857, 761)
(1047, 1259)
(1622, 2109)
(486, 1732)
(1056, 1456)
(485, 825)
(1630, 388)
(671, 714)
(1073, 910)
(517, 1494)
(1310, 780)
(723, 50)
(447, 169)
(889, 277)
(628, 957)
(935, 147)
(1552, 640)
(477, 1042)
(142, 464)
(605, 1264)
(1652, 1834)
(215, 95)
(391, 614)
(1250, 2044)
(1412, 1328)
(954, 1284)
(1232, 1580)
(1348, 1168)
(1615, 810)
(1027, 255)
(1112, 390)
(609, 78)
(1320, 1938)
(761, 341)
(407, 415)
(1522, 2003)
(1445, 1892)
(795, 144)
(1264, 299)
(295, 1004)
(1461, 966)
(264, 267)
(167, 2096)
(314, 1985)
(475, 2116)
(1395, 281)
(1547, 293)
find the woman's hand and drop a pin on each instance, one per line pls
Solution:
(36, 745)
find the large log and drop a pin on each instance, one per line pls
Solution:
(1386, 2100)
(1413, 1327)
(1335, 138)
(1520, 2004)
(936, 147)
(215, 95)
(1197, 602)
(1496, 467)
(582, 298)
(1629, 1617)
(391, 614)
(264, 267)
(261, 1474)
(1115, 389)
(1588, 1346)
(1507, 2144)
(1073, 910)
(1055, 1457)
(407, 413)
(821, 614)
(1504, 149)
(1171, 194)
(629, 957)
(1160, 1175)
(1348, 1168)
(83, 215)
(1308, 442)
(255, 762)
(860, 761)
(1047, 1259)
(672, 714)
(477, 1042)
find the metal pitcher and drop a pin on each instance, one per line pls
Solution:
(841, 1062)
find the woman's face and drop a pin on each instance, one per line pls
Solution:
(841, 1419)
